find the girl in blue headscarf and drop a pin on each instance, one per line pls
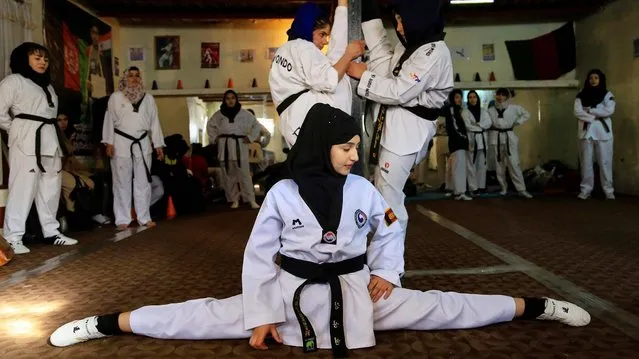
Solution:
(301, 75)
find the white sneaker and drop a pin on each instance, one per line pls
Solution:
(462, 197)
(19, 248)
(610, 196)
(254, 205)
(75, 332)
(235, 205)
(62, 240)
(565, 312)
(525, 194)
(583, 196)
(503, 192)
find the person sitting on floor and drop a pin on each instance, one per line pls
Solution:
(75, 175)
(321, 236)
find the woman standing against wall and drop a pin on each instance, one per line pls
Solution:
(477, 121)
(457, 145)
(594, 106)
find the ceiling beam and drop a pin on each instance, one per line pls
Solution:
(189, 14)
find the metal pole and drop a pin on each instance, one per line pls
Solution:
(355, 33)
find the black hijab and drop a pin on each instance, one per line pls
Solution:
(309, 162)
(19, 64)
(592, 96)
(422, 21)
(230, 112)
(475, 110)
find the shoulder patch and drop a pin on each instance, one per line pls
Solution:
(431, 49)
(389, 217)
(360, 218)
(612, 98)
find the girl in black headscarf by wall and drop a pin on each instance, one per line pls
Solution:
(594, 107)
(28, 110)
(457, 144)
(233, 128)
(477, 121)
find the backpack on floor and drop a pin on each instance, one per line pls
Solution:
(32, 228)
(84, 198)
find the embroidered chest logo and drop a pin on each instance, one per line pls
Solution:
(414, 77)
(329, 238)
(389, 217)
(297, 224)
(360, 218)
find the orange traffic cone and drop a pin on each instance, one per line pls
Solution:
(230, 83)
(170, 209)
(179, 86)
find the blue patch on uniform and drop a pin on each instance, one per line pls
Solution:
(360, 218)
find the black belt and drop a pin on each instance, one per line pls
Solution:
(483, 141)
(315, 273)
(500, 131)
(429, 114)
(38, 139)
(289, 100)
(137, 141)
(237, 150)
(603, 122)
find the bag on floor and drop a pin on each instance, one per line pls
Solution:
(6, 252)
(83, 196)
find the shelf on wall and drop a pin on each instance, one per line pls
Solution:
(517, 84)
(208, 92)
(460, 85)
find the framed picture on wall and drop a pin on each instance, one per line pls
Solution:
(136, 53)
(247, 55)
(210, 55)
(488, 52)
(459, 53)
(167, 52)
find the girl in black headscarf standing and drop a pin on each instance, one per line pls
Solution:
(318, 220)
(36, 145)
(408, 85)
(594, 107)
(477, 121)
(233, 128)
(457, 145)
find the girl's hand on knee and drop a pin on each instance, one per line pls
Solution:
(260, 333)
(379, 287)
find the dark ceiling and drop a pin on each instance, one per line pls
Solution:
(199, 12)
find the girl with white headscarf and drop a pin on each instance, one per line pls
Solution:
(131, 130)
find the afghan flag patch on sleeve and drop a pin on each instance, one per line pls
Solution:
(389, 217)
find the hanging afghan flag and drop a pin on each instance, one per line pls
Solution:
(75, 60)
(546, 57)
